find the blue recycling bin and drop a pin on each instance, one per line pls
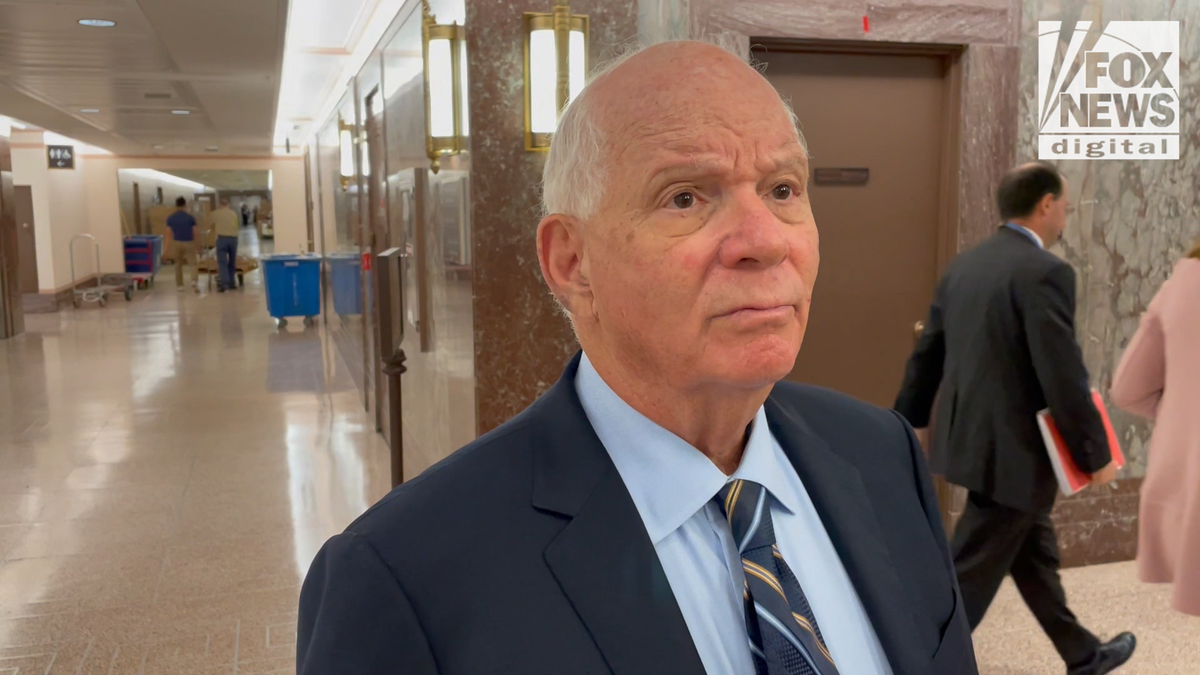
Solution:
(293, 286)
(345, 280)
(143, 253)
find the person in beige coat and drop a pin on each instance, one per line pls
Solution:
(1159, 378)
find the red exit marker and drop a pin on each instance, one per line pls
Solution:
(866, 24)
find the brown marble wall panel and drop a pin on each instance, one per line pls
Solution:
(928, 21)
(989, 143)
(521, 341)
(1099, 526)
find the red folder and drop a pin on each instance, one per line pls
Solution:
(1070, 478)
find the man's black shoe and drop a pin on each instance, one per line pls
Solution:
(1112, 655)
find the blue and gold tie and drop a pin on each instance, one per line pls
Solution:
(783, 633)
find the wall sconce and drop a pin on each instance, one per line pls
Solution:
(556, 65)
(346, 143)
(443, 48)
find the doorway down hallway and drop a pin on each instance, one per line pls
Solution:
(168, 469)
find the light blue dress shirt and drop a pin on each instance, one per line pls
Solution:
(1033, 236)
(673, 484)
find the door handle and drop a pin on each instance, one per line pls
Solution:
(918, 328)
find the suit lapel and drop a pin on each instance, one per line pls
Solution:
(844, 505)
(603, 559)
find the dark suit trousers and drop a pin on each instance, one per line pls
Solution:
(992, 541)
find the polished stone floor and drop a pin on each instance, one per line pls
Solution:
(168, 468)
(1107, 599)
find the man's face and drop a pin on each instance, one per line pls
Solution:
(702, 258)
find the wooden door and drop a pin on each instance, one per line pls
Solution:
(874, 124)
(27, 239)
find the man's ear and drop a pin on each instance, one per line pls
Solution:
(563, 259)
(1047, 204)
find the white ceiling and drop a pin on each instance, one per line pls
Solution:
(218, 59)
(226, 180)
(326, 43)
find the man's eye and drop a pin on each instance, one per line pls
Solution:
(684, 200)
(782, 191)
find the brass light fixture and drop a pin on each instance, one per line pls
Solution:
(346, 152)
(556, 65)
(443, 48)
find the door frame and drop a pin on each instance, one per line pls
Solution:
(308, 199)
(951, 56)
(29, 268)
(949, 218)
(374, 105)
(12, 312)
(137, 209)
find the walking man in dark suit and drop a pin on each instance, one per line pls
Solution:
(667, 507)
(1000, 344)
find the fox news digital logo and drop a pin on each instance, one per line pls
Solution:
(1112, 95)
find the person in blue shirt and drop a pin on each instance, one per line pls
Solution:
(183, 247)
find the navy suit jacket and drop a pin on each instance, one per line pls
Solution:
(524, 553)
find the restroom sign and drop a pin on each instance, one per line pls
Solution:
(61, 156)
(1110, 93)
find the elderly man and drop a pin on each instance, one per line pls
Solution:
(667, 507)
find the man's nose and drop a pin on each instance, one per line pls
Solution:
(756, 238)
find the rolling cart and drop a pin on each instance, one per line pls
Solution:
(98, 293)
(293, 286)
(143, 256)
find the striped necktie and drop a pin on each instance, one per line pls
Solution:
(783, 633)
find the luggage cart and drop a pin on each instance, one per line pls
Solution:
(98, 293)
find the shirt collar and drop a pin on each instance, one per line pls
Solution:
(1037, 238)
(668, 479)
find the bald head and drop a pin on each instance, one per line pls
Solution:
(678, 234)
(656, 92)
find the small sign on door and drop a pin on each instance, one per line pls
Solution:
(60, 156)
(841, 176)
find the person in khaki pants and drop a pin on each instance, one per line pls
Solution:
(183, 247)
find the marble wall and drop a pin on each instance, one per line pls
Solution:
(1133, 219)
(522, 342)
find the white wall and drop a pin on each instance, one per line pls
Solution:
(289, 213)
(69, 201)
(30, 168)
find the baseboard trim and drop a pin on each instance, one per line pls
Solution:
(50, 301)
(1099, 525)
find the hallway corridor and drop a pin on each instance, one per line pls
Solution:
(168, 468)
